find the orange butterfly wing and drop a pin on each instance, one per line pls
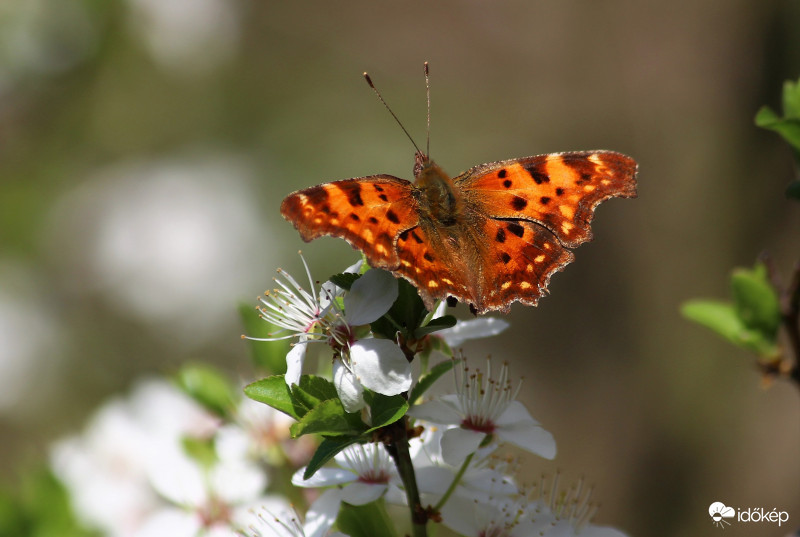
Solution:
(559, 191)
(517, 267)
(368, 212)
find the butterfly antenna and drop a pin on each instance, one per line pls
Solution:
(428, 96)
(378, 93)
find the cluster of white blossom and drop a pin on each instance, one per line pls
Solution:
(158, 463)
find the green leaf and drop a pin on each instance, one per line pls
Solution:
(440, 323)
(327, 450)
(312, 390)
(269, 356)
(787, 128)
(366, 520)
(209, 387)
(722, 318)
(39, 506)
(328, 418)
(385, 409)
(791, 99)
(427, 380)
(201, 450)
(345, 280)
(274, 392)
(718, 316)
(756, 301)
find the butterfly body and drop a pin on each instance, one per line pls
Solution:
(488, 237)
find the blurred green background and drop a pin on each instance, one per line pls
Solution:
(145, 147)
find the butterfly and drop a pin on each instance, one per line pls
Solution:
(489, 237)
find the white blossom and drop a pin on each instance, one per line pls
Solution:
(365, 473)
(484, 407)
(105, 469)
(377, 364)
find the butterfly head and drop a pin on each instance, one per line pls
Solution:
(439, 199)
(421, 160)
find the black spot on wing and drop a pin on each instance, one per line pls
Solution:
(519, 203)
(392, 216)
(353, 193)
(516, 229)
(537, 173)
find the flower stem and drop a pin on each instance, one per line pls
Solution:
(398, 449)
(455, 482)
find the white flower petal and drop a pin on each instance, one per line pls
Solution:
(514, 413)
(458, 443)
(171, 521)
(439, 411)
(487, 483)
(324, 477)
(176, 477)
(381, 366)
(530, 437)
(294, 362)
(461, 515)
(472, 329)
(349, 389)
(232, 442)
(370, 297)
(322, 513)
(237, 482)
(434, 480)
(362, 493)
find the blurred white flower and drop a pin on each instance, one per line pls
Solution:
(166, 242)
(106, 468)
(484, 407)
(30, 352)
(205, 498)
(261, 433)
(187, 36)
